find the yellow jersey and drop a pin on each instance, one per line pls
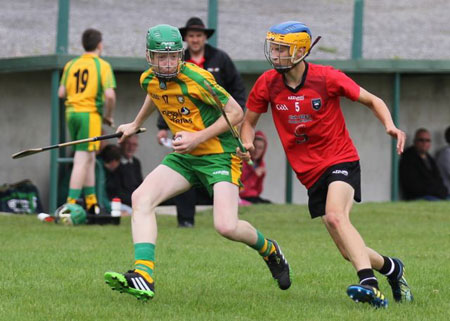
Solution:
(85, 79)
(186, 105)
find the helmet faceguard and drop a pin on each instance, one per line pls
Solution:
(284, 41)
(164, 51)
(166, 64)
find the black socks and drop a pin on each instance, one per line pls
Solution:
(366, 277)
(390, 268)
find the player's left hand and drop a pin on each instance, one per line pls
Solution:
(185, 142)
(400, 136)
(245, 156)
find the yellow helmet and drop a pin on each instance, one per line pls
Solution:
(291, 35)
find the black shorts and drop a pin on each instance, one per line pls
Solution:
(349, 172)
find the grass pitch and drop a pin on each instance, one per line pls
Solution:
(52, 272)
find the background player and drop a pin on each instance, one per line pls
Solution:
(204, 155)
(304, 98)
(88, 83)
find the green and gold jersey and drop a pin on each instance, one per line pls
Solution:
(86, 78)
(186, 105)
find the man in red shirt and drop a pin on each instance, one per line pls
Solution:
(304, 99)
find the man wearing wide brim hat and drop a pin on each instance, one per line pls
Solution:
(196, 24)
(217, 62)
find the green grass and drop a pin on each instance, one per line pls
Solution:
(51, 272)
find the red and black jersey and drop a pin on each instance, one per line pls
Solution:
(308, 118)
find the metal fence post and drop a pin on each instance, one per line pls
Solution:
(358, 18)
(61, 48)
(394, 155)
(212, 21)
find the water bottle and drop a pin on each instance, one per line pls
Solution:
(44, 217)
(116, 204)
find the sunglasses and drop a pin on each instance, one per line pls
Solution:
(423, 140)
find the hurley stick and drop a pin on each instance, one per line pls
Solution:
(233, 130)
(32, 151)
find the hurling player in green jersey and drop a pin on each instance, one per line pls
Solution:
(204, 154)
(88, 86)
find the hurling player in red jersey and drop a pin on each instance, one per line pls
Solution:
(304, 99)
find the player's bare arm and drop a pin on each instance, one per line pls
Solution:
(62, 92)
(185, 142)
(248, 134)
(110, 105)
(381, 111)
(130, 128)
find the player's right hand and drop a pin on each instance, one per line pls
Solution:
(127, 130)
(400, 136)
(245, 156)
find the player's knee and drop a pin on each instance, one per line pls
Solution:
(333, 219)
(142, 201)
(225, 229)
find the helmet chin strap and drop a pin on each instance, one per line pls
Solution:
(169, 77)
(284, 70)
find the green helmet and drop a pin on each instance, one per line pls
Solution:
(164, 38)
(70, 214)
(164, 50)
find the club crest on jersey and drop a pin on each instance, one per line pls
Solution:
(316, 103)
(180, 99)
(185, 111)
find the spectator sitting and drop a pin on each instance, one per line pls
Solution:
(253, 175)
(110, 159)
(110, 156)
(130, 169)
(443, 161)
(419, 175)
(118, 174)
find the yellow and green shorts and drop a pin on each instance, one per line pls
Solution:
(206, 170)
(82, 126)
